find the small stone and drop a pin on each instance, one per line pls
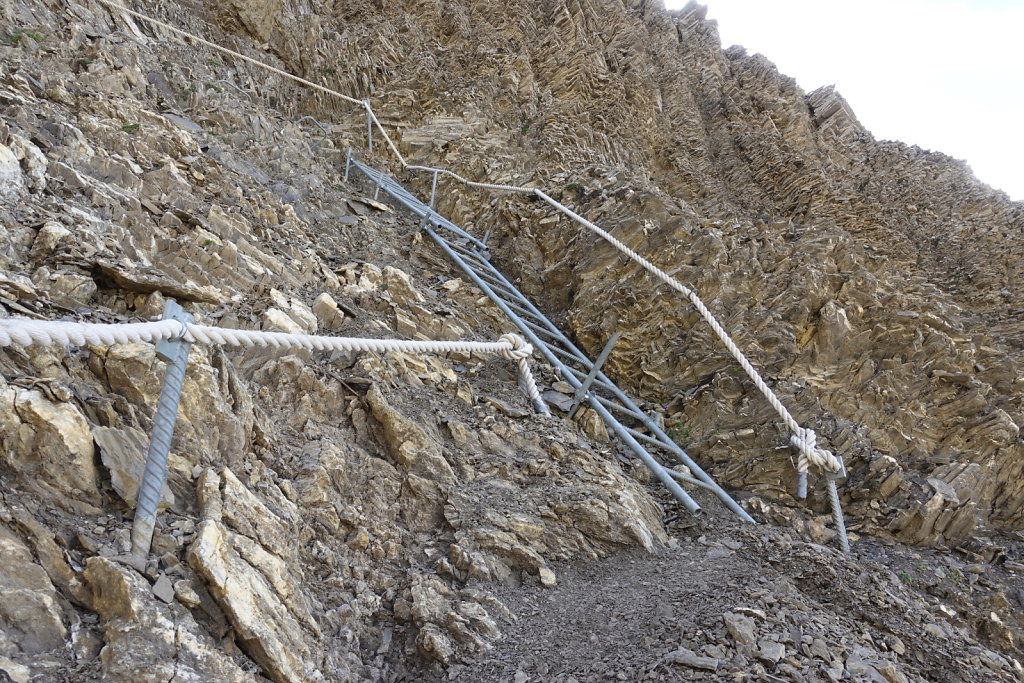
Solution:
(751, 612)
(547, 577)
(505, 407)
(327, 312)
(186, 593)
(275, 320)
(359, 540)
(164, 589)
(19, 673)
(771, 651)
(693, 660)
(563, 387)
(741, 628)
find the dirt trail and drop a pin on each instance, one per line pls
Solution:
(737, 602)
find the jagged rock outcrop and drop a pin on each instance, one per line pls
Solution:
(874, 282)
(350, 517)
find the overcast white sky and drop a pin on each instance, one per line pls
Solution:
(947, 75)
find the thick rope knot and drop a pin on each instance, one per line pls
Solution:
(521, 349)
(806, 441)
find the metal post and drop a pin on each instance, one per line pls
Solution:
(175, 353)
(578, 397)
(837, 515)
(801, 485)
(348, 164)
(380, 181)
(369, 127)
(433, 189)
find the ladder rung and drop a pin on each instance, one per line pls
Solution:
(650, 439)
(619, 408)
(540, 330)
(594, 381)
(571, 356)
(467, 252)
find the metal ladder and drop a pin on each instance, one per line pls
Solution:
(471, 256)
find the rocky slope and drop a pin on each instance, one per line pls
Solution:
(364, 517)
(876, 283)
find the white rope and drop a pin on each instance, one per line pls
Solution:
(23, 332)
(804, 440)
(213, 46)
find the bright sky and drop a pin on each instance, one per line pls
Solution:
(946, 75)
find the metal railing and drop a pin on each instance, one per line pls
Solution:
(602, 394)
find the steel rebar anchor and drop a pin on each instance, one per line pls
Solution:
(837, 510)
(175, 353)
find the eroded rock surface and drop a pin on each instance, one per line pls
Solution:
(362, 517)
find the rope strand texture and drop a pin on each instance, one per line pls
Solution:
(22, 332)
(804, 440)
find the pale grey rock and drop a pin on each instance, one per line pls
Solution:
(29, 611)
(741, 628)
(123, 454)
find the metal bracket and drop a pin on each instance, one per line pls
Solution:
(170, 350)
(315, 123)
(433, 189)
(841, 474)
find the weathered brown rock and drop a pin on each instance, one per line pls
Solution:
(237, 551)
(29, 612)
(353, 514)
(147, 641)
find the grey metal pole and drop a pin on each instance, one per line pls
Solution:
(433, 190)
(592, 375)
(348, 164)
(315, 123)
(175, 353)
(837, 515)
(369, 127)
(801, 485)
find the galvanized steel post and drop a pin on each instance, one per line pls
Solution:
(348, 164)
(837, 515)
(433, 189)
(175, 353)
(801, 485)
(369, 127)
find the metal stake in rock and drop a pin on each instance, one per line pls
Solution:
(581, 393)
(175, 353)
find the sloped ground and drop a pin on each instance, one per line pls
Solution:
(348, 518)
(877, 284)
(728, 602)
(323, 513)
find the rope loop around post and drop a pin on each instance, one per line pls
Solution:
(520, 347)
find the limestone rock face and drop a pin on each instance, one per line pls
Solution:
(49, 439)
(30, 614)
(238, 551)
(873, 283)
(147, 641)
(357, 516)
